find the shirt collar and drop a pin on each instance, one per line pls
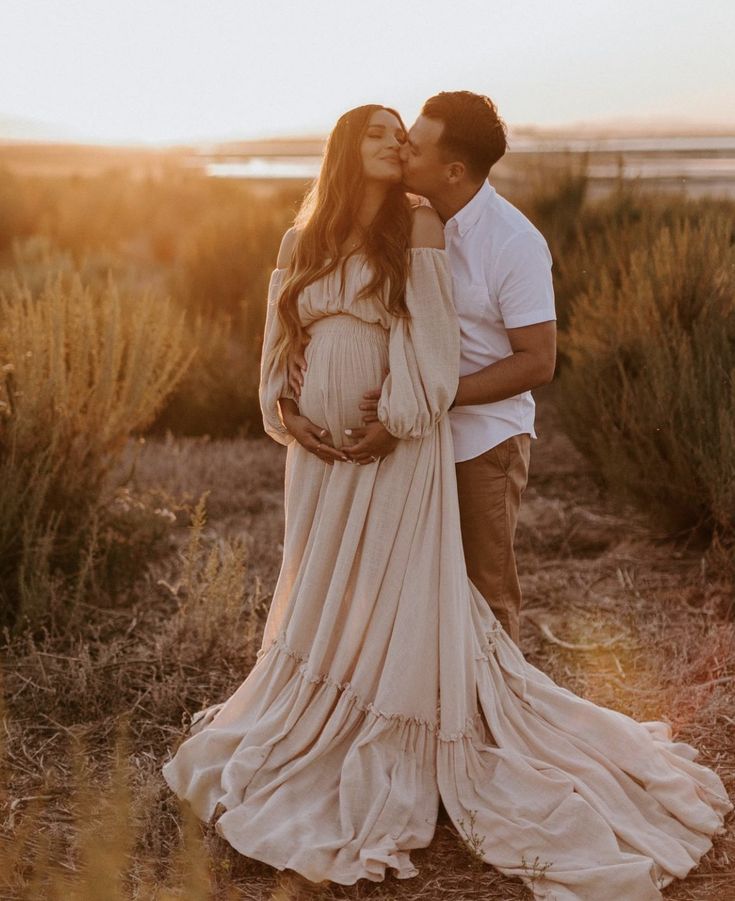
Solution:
(470, 212)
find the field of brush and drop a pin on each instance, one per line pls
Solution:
(141, 508)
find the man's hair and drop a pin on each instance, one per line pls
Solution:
(473, 131)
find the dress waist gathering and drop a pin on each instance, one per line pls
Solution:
(341, 323)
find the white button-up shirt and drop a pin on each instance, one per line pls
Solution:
(501, 273)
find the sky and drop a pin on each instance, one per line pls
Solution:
(168, 71)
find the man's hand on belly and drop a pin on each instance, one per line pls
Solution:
(369, 405)
(373, 442)
(296, 367)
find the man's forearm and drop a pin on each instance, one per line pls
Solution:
(510, 376)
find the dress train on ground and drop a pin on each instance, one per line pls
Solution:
(384, 682)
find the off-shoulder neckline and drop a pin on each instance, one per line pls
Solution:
(441, 250)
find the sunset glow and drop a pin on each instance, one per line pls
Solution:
(179, 70)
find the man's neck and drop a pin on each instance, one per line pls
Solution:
(449, 202)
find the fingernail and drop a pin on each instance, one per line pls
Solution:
(323, 432)
(348, 431)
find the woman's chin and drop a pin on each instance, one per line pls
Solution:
(390, 175)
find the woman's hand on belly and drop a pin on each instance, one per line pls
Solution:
(311, 437)
(374, 441)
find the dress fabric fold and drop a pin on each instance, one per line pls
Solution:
(384, 682)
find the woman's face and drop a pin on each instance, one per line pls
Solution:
(379, 149)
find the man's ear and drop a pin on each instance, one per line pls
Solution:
(456, 171)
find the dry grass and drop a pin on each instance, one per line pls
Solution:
(93, 704)
(100, 708)
(208, 243)
(82, 366)
(650, 353)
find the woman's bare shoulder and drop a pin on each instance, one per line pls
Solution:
(427, 230)
(288, 245)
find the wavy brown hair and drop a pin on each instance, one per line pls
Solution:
(326, 218)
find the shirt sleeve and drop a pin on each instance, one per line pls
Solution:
(522, 280)
(423, 350)
(273, 378)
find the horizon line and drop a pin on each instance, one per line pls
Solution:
(632, 126)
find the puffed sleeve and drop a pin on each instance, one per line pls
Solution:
(273, 380)
(423, 350)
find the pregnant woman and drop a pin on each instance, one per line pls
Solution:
(384, 683)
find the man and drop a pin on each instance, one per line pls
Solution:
(501, 273)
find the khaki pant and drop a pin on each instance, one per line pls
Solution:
(490, 488)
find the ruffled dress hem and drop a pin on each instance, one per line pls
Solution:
(327, 701)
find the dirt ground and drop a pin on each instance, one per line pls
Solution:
(613, 610)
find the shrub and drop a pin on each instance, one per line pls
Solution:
(228, 254)
(554, 199)
(211, 598)
(218, 395)
(590, 236)
(649, 392)
(82, 368)
(221, 279)
(209, 243)
(14, 215)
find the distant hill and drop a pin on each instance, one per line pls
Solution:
(18, 128)
(626, 128)
(313, 145)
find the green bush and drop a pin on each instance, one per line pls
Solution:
(649, 390)
(82, 367)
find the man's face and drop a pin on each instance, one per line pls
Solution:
(421, 158)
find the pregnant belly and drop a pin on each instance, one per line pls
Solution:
(345, 358)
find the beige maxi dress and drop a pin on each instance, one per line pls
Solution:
(384, 682)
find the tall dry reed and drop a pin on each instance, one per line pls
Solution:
(649, 390)
(82, 368)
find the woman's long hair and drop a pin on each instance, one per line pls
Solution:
(326, 218)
